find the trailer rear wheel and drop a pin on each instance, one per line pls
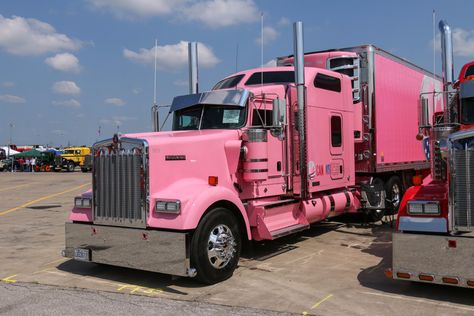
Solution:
(216, 246)
(394, 193)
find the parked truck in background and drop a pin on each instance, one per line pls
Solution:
(264, 154)
(434, 241)
(71, 158)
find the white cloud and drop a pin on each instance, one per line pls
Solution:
(22, 36)
(463, 42)
(136, 90)
(172, 57)
(270, 63)
(283, 21)
(269, 35)
(66, 87)
(143, 8)
(71, 103)
(117, 120)
(115, 101)
(64, 62)
(8, 84)
(9, 98)
(219, 13)
(213, 13)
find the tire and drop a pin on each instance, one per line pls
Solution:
(70, 166)
(394, 193)
(84, 170)
(212, 266)
(376, 215)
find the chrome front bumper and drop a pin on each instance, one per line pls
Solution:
(150, 250)
(433, 255)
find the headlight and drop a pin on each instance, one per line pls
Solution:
(82, 202)
(423, 208)
(173, 207)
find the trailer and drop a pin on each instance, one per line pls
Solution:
(264, 154)
(434, 241)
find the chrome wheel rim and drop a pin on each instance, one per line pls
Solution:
(395, 195)
(221, 246)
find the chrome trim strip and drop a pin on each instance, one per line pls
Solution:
(255, 170)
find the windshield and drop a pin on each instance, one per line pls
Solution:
(467, 110)
(209, 117)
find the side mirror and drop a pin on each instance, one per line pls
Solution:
(279, 112)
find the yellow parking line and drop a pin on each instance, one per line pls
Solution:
(15, 187)
(42, 199)
(9, 279)
(321, 301)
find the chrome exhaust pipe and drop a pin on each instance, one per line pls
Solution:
(193, 67)
(447, 52)
(300, 90)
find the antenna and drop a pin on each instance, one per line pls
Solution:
(237, 57)
(261, 46)
(154, 82)
(434, 60)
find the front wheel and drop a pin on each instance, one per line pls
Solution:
(216, 246)
(70, 166)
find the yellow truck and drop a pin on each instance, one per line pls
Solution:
(73, 157)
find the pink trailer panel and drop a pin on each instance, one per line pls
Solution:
(397, 94)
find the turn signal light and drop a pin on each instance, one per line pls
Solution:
(389, 273)
(470, 283)
(450, 280)
(426, 277)
(403, 275)
(213, 180)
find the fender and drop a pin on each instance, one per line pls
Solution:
(196, 197)
(211, 195)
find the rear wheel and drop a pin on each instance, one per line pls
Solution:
(394, 192)
(216, 246)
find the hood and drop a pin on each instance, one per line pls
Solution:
(191, 155)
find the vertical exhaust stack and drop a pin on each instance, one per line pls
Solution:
(447, 53)
(193, 68)
(300, 90)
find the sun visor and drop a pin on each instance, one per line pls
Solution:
(236, 97)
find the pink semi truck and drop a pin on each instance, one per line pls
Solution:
(265, 153)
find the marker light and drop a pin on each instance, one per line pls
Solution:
(213, 180)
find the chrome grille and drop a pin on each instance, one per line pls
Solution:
(463, 188)
(120, 183)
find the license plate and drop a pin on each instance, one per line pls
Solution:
(82, 254)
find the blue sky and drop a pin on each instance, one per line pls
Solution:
(68, 67)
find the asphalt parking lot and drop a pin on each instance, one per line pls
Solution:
(335, 268)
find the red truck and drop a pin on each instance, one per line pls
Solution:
(434, 241)
(264, 154)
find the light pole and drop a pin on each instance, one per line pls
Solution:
(10, 143)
